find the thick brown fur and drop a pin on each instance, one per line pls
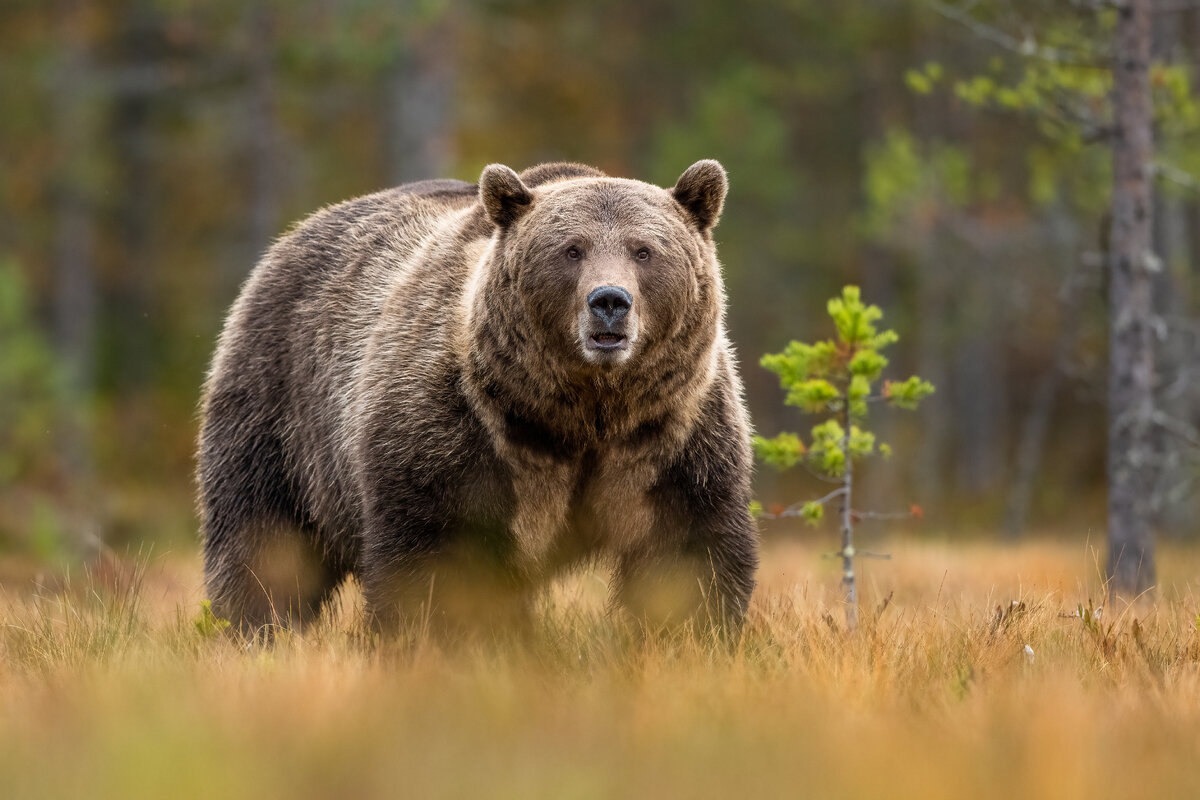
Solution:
(409, 389)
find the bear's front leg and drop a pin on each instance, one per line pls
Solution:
(445, 575)
(699, 555)
(697, 565)
(437, 551)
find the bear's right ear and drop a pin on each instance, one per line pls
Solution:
(503, 195)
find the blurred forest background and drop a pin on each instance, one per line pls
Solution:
(944, 157)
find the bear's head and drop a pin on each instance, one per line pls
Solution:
(602, 275)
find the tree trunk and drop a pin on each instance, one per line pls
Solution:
(933, 299)
(133, 305)
(1193, 204)
(74, 307)
(935, 291)
(979, 396)
(1035, 427)
(1175, 504)
(1132, 460)
(262, 139)
(420, 87)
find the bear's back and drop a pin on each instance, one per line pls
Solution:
(295, 340)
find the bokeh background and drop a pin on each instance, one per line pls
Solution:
(153, 148)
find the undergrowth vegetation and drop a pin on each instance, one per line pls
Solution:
(975, 671)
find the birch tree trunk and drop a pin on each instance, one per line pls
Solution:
(1131, 454)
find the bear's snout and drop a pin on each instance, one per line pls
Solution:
(609, 325)
(610, 303)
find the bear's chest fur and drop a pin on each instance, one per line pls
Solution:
(592, 502)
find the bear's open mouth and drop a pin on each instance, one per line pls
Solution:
(608, 341)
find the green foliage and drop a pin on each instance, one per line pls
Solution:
(894, 180)
(29, 382)
(798, 361)
(47, 541)
(783, 451)
(1068, 98)
(827, 451)
(836, 377)
(923, 80)
(737, 119)
(905, 181)
(862, 443)
(856, 323)
(814, 395)
(1061, 83)
(207, 623)
(867, 364)
(907, 394)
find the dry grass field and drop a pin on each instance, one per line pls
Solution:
(109, 688)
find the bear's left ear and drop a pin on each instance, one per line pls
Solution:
(503, 195)
(701, 192)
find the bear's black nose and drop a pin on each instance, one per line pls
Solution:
(610, 303)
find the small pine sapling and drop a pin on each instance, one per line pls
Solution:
(837, 378)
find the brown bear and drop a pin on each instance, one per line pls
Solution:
(455, 392)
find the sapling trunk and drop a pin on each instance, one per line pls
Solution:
(848, 579)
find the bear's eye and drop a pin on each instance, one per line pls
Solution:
(574, 253)
(642, 254)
